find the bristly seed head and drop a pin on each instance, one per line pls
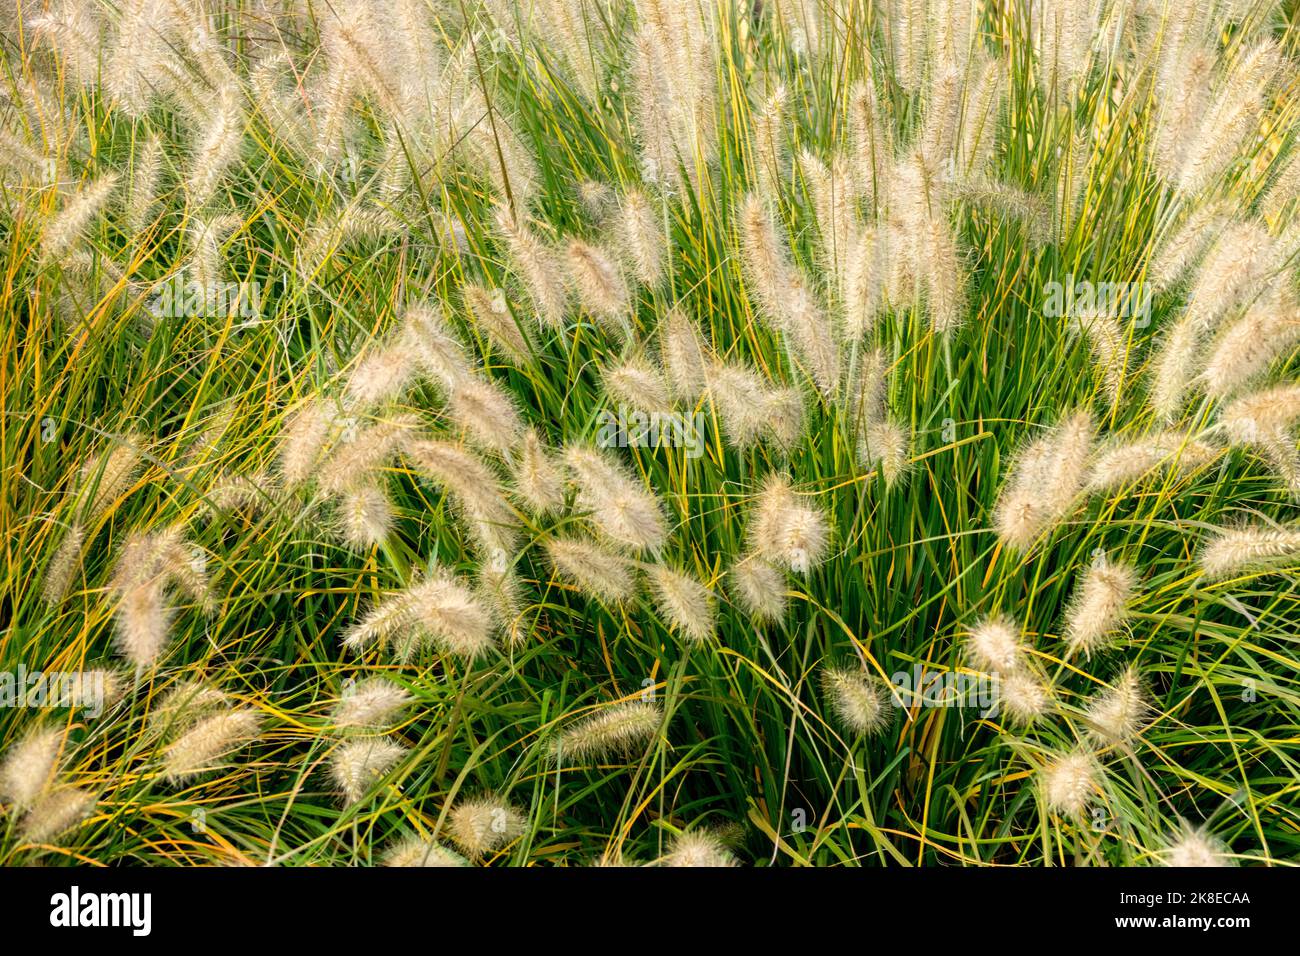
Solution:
(620, 730)
(786, 532)
(30, 765)
(858, 701)
(207, 742)
(620, 506)
(594, 570)
(1195, 847)
(1023, 697)
(371, 703)
(483, 825)
(698, 848)
(1117, 714)
(357, 765)
(1248, 548)
(412, 851)
(57, 812)
(759, 588)
(996, 645)
(1099, 607)
(686, 604)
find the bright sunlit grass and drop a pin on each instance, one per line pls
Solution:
(575, 431)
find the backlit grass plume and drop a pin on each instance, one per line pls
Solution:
(29, 765)
(372, 702)
(1100, 605)
(357, 765)
(1047, 476)
(618, 730)
(1194, 847)
(698, 848)
(57, 812)
(758, 588)
(151, 568)
(442, 612)
(858, 703)
(1232, 550)
(786, 531)
(686, 604)
(594, 570)
(414, 852)
(995, 645)
(620, 507)
(208, 741)
(1116, 714)
(1070, 782)
(485, 824)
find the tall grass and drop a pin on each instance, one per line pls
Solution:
(314, 319)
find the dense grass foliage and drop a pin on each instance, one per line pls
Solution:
(316, 316)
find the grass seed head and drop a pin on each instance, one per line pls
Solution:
(357, 765)
(1070, 781)
(1123, 462)
(1264, 413)
(686, 604)
(110, 475)
(1099, 606)
(30, 765)
(484, 825)
(686, 358)
(57, 812)
(64, 566)
(381, 375)
(365, 517)
(602, 290)
(1045, 482)
(491, 313)
(635, 384)
(68, 226)
(698, 848)
(210, 740)
(1117, 713)
(759, 588)
(373, 702)
(538, 267)
(303, 440)
(619, 730)
(596, 571)
(996, 645)
(413, 851)
(356, 460)
(538, 479)
(641, 237)
(1195, 847)
(786, 532)
(857, 701)
(619, 505)
(424, 334)
(487, 413)
(1248, 548)
(1023, 697)
(886, 445)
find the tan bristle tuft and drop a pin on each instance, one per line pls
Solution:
(484, 825)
